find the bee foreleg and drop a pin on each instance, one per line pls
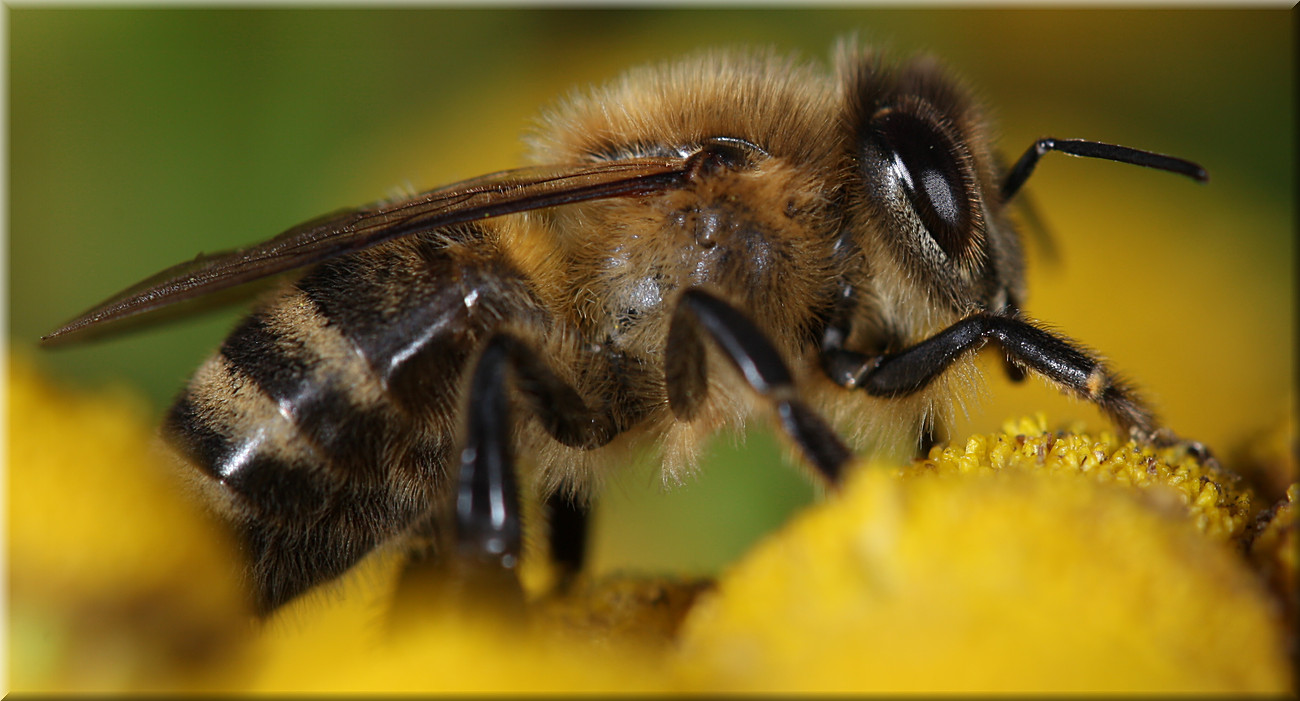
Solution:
(1061, 360)
(699, 313)
(1014, 371)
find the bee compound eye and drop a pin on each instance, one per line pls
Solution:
(925, 163)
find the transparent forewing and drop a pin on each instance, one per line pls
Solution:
(347, 231)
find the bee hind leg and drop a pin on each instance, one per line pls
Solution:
(488, 532)
(488, 523)
(473, 564)
(698, 315)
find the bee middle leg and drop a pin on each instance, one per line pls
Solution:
(698, 315)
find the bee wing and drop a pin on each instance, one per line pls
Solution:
(351, 230)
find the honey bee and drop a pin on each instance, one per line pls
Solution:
(700, 242)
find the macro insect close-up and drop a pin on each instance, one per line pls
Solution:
(730, 238)
(843, 239)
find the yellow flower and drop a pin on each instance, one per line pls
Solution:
(1021, 560)
(1027, 561)
(117, 581)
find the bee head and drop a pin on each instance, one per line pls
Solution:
(920, 180)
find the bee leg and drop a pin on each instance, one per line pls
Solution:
(568, 521)
(1015, 372)
(698, 314)
(487, 530)
(1057, 358)
(478, 571)
(487, 502)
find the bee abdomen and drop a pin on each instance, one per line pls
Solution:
(327, 418)
(286, 495)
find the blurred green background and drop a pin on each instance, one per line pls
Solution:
(141, 137)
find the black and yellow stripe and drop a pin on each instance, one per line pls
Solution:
(328, 417)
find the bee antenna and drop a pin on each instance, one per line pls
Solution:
(1034, 222)
(1095, 149)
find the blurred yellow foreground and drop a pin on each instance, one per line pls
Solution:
(1025, 560)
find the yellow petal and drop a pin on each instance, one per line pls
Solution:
(1038, 563)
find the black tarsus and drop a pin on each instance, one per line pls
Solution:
(1096, 149)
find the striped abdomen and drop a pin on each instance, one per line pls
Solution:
(327, 419)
